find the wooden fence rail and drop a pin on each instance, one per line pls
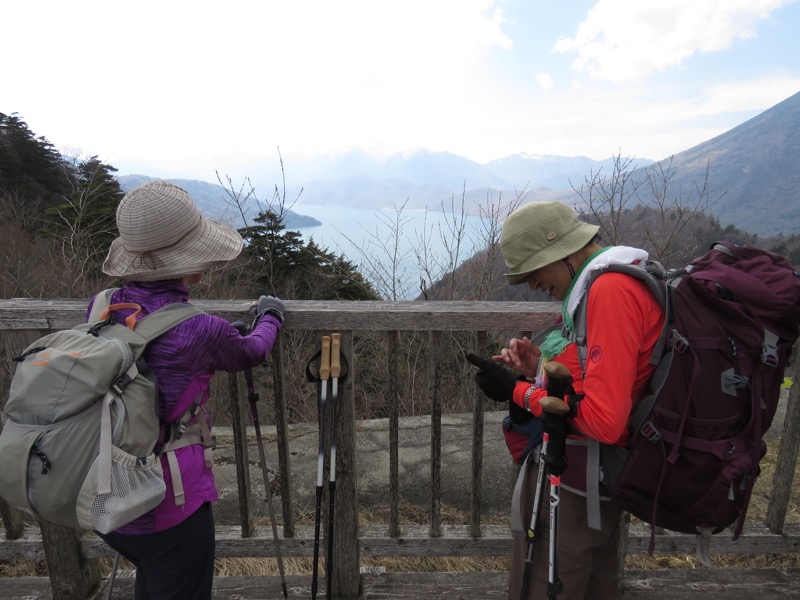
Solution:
(69, 555)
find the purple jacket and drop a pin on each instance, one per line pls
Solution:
(183, 361)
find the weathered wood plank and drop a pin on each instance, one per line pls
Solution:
(436, 340)
(673, 584)
(787, 455)
(730, 584)
(28, 313)
(393, 396)
(277, 359)
(12, 520)
(462, 586)
(27, 588)
(345, 535)
(241, 452)
(72, 574)
(477, 447)
(456, 540)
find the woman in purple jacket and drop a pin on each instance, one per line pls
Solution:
(164, 246)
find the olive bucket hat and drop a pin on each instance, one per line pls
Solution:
(538, 234)
(162, 235)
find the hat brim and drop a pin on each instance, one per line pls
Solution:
(210, 244)
(517, 278)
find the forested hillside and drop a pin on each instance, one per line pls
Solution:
(57, 220)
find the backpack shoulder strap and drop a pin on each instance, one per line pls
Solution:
(165, 318)
(649, 272)
(101, 301)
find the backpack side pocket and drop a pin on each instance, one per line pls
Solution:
(137, 486)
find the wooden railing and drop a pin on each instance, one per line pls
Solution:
(69, 555)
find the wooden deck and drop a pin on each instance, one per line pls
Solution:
(730, 584)
(680, 584)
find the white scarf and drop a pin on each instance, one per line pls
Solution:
(615, 255)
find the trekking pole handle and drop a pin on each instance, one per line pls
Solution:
(559, 382)
(325, 358)
(558, 379)
(554, 410)
(336, 366)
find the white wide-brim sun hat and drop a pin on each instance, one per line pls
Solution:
(162, 235)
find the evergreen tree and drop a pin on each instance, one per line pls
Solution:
(281, 263)
(88, 212)
(30, 167)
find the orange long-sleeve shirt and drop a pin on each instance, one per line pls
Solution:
(624, 321)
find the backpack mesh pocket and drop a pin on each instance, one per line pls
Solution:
(137, 486)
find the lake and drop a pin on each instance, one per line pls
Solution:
(370, 237)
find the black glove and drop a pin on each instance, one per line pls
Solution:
(495, 380)
(269, 305)
(518, 414)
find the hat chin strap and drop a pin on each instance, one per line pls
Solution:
(571, 269)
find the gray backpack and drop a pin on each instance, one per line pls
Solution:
(82, 422)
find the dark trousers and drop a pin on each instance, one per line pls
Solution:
(174, 564)
(587, 558)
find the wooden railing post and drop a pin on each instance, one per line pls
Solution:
(477, 447)
(346, 567)
(72, 577)
(393, 396)
(12, 520)
(282, 433)
(787, 455)
(239, 426)
(436, 338)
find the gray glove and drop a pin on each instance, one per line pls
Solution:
(269, 305)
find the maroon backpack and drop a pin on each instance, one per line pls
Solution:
(732, 316)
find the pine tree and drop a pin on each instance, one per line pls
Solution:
(30, 167)
(281, 263)
(88, 212)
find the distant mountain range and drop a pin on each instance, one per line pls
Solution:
(756, 165)
(213, 200)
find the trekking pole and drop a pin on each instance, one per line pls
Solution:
(559, 383)
(336, 369)
(537, 506)
(554, 584)
(253, 398)
(324, 373)
(112, 577)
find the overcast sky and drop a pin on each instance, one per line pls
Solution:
(169, 80)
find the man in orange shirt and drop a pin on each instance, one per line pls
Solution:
(546, 247)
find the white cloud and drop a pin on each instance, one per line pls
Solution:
(599, 121)
(253, 75)
(184, 80)
(544, 80)
(627, 40)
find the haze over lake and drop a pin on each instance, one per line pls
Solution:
(370, 237)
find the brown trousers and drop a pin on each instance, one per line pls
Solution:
(587, 558)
